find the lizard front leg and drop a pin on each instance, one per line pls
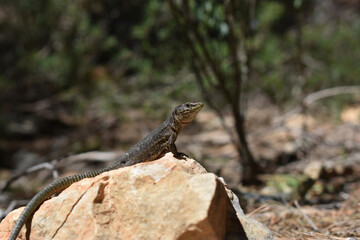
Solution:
(173, 149)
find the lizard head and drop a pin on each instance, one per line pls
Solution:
(186, 112)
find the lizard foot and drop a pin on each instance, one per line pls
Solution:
(180, 155)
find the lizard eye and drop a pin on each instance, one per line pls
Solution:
(187, 105)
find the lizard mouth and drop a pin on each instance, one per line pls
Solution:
(190, 112)
(197, 107)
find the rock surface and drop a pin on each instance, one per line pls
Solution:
(163, 199)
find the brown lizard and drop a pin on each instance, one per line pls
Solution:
(153, 146)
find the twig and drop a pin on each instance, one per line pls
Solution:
(316, 96)
(221, 80)
(55, 164)
(11, 207)
(35, 168)
(326, 236)
(263, 207)
(229, 17)
(208, 98)
(97, 156)
(329, 92)
(297, 205)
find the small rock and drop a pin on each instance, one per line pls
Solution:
(314, 170)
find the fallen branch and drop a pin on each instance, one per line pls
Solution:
(263, 207)
(89, 156)
(35, 168)
(11, 207)
(316, 96)
(55, 164)
(330, 92)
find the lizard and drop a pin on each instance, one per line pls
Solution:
(155, 145)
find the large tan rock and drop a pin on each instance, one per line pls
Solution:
(163, 199)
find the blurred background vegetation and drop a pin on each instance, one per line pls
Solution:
(75, 68)
(88, 75)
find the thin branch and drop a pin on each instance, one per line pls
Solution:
(197, 58)
(207, 98)
(214, 66)
(263, 207)
(234, 53)
(55, 164)
(316, 96)
(35, 168)
(97, 156)
(11, 207)
(330, 92)
(297, 205)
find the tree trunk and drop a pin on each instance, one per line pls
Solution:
(250, 168)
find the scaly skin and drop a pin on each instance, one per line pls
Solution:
(155, 145)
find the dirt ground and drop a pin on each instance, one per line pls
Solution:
(312, 186)
(312, 189)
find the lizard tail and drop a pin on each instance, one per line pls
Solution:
(47, 192)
